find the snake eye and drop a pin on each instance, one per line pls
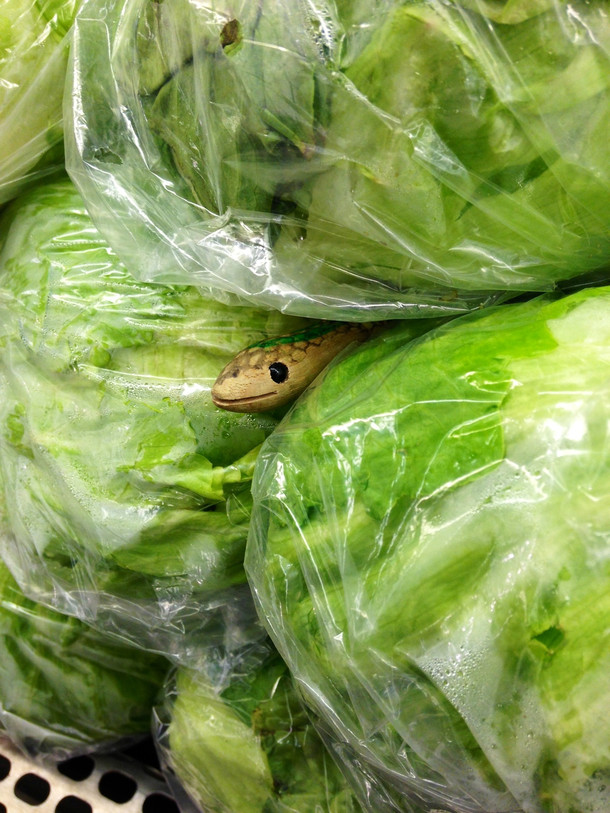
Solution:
(278, 372)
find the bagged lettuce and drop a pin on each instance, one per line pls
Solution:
(34, 45)
(126, 489)
(430, 551)
(66, 688)
(237, 739)
(346, 160)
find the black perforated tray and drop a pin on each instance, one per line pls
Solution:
(126, 782)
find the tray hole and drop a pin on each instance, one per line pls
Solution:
(72, 804)
(77, 768)
(3, 808)
(117, 786)
(32, 789)
(5, 768)
(159, 803)
(144, 752)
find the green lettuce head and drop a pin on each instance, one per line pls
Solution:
(126, 490)
(66, 688)
(430, 549)
(347, 159)
(239, 740)
(33, 61)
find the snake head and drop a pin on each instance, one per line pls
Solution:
(272, 373)
(259, 380)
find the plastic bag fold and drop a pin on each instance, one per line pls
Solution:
(350, 161)
(65, 688)
(429, 550)
(34, 45)
(234, 737)
(126, 490)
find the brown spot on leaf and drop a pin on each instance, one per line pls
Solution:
(230, 34)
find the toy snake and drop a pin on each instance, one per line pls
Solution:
(273, 372)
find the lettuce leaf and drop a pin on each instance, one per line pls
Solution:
(66, 688)
(127, 490)
(240, 741)
(379, 158)
(33, 65)
(429, 550)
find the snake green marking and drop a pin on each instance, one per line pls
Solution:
(304, 335)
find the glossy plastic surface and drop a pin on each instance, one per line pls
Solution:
(430, 552)
(235, 738)
(34, 44)
(126, 491)
(350, 161)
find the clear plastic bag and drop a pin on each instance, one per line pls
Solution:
(430, 551)
(346, 161)
(126, 490)
(65, 688)
(34, 42)
(235, 738)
